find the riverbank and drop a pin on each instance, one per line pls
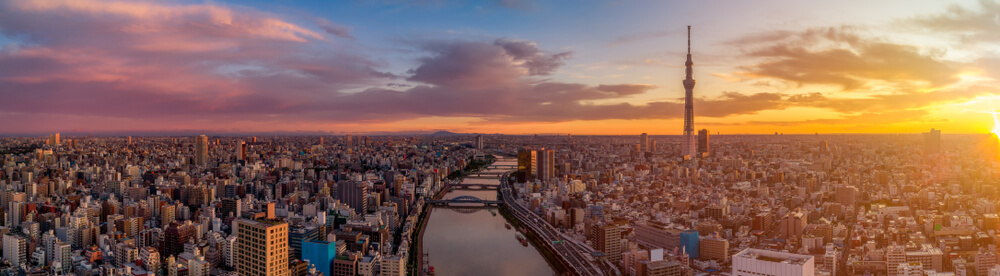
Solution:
(537, 243)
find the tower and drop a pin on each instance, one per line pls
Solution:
(690, 146)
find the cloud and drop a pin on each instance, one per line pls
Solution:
(472, 64)
(841, 56)
(335, 29)
(971, 25)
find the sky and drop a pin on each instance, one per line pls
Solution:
(504, 66)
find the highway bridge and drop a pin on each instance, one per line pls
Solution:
(572, 254)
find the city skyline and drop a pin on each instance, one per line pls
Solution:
(511, 67)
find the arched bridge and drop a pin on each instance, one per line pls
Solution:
(474, 186)
(464, 200)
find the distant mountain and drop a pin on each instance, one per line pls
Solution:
(446, 133)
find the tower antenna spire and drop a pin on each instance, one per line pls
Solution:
(689, 40)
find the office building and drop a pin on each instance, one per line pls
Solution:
(714, 248)
(479, 142)
(847, 195)
(757, 262)
(607, 238)
(703, 141)
(346, 264)
(241, 151)
(690, 243)
(297, 234)
(320, 253)
(176, 235)
(792, 224)
(262, 248)
(354, 194)
(201, 150)
(643, 143)
(655, 234)
(349, 141)
(527, 163)
(932, 142)
(546, 164)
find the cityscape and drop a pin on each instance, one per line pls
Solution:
(508, 137)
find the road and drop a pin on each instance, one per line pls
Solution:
(572, 253)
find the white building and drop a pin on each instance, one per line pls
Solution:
(757, 262)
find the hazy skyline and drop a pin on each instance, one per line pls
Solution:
(516, 67)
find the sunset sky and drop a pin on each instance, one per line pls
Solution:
(507, 66)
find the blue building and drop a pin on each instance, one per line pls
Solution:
(320, 253)
(689, 242)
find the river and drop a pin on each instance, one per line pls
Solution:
(472, 241)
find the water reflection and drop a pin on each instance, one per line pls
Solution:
(474, 241)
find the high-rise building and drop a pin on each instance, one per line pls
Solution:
(703, 141)
(607, 238)
(15, 249)
(527, 161)
(354, 194)
(643, 142)
(175, 235)
(201, 150)
(479, 142)
(349, 141)
(689, 147)
(792, 224)
(297, 234)
(985, 259)
(847, 195)
(690, 243)
(262, 248)
(932, 142)
(241, 151)
(546, 164)
(755, 262)
(231, 207)
(319, 253)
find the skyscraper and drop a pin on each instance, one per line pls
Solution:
(932, 142)
(241, 150)
(643, 142)
(546, 164)
(262, 248)
(349, 141)
(201, 150)
(527, 163)
(689, 142)
(703, 141)
(479, 141)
